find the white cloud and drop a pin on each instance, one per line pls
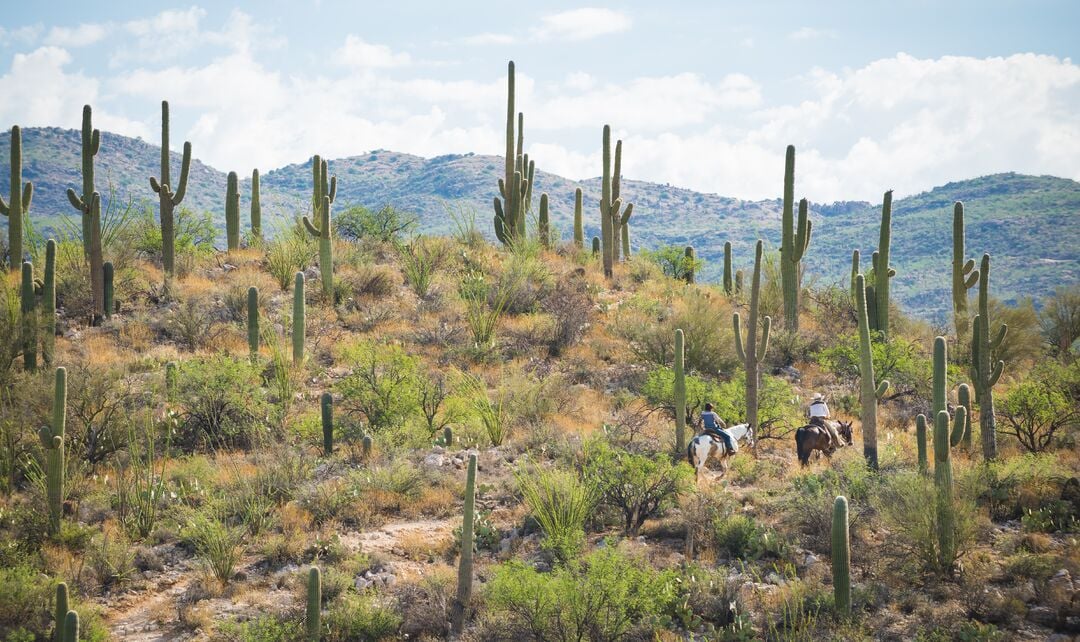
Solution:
(810, 33)
(365, 55)
(482, 39)
(25, 35)
(80, 36)
(581, 24)
(173, 34)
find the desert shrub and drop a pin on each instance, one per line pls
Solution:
(218, 545)
(673, 261)
(561, 502)
(811, 504)
(569, 306)
(1060, 320)
(492, 410)
(524, 282)
(235, 300)
(193, 323)
(111, 559)
(659, 390)
(99, 404)
(709, 342)
(222, 403)
(906, 367)
(24, 591)
(193, 234)
(388, 487)
(385, 225)
(290, 251)
(484, 305)
(10, 328)
(360, 617)
(776, 413)
(743, 538)
(607, 596)
(639, 486)
(381, 384)
(263, 628)
(1042, 405)
(1023, 343)
(1012, 487)
(367, 280)
(429, 600)
(439, 405)
(330, 500)
(420, 260)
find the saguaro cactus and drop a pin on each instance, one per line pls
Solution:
(109, 292)
(963, 397)
(869, 392)
(579, 230)
(920, 443)
(327, 403)
(60, 610)
(946, 517)
(97, 260)
(515, 187)
(17, 208)
(253, 320)
(855, 271)
(365, 447)
(28, 306)
(298, 320)
(793, 243)
(596, 246)
(325, 233)
(964, 274)
(841, 556)
(48, 303)
(314, 604)
(169, 197)
(71, 627)
(612, 214)
(620, 224)
(940, 386)
(729, 282)
(52, 440)
(882, 271)
(543, 223)
(448, 436)
(232, 212)
(91, 143)
(691, 263)
(984, 373)
(680, 392)
(256, 206)
(750, 352)
(465, 570)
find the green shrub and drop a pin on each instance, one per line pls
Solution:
(264, 628)
(381, 384)
(560, 502)
(222, 403)
(386, 225)
(420, 259)
(673, 261)
(637, 485)
(607, 596)
(24, 598)
(360, 618)
(219, 546)
(743, 538)
(292, 250)
(1043, 405)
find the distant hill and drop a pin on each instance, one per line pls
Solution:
(1027, 223)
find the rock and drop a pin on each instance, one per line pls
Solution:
(228, 267)
(791, 373)
(434, 460)
(240, 576)
(810, 560)
(751, 592)
(774, 578)
(1026, 592)
(1059, 589)
(311, 274)
(362, 583)
(1043, 616)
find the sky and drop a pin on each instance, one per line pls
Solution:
(903, 95)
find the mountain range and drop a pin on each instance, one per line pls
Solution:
(1027, 223)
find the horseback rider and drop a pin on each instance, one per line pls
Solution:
(819, 416)
(714, 427)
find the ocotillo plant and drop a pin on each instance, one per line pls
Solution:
(984, 373)
(465, 570)
(171, 380)
(870, 391)
(680, 392)
(841, 556)
(71, 627)
(16, 210)
(169, 195)
(97, 260)
(91, 143)
(751, 352)
(793, 243)
(60, 610)
(691, 263)
(256, 206)
(963, 397)
(298, 320)
(920, 443)
(108, 300)
(964, 274)
(232, 212)
(543, 223)
(52, 440)
(326, 246)
(327, 403)
(579, 230)
(48, 303)
(253, 320)
(28, 307)
(729, 282)
(515, 187)
(314, 604)
(882, 271)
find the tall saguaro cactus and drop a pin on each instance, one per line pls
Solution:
(750, 352)
(314, 604)
(465, 566)
(945, 514)
(680, 392)
(729, 282)
(253, 320)
(691, 263)
(52, 440)
(920, 443)
(323, 195)
(48, 304)
(91, 143)
(97, 260)
(60, 610)
(28, 307)
(16, 209)
(985, 373)
(169, 195)
(882, 271)
(71, 627)
(612, 214)
(854, 271)
(327, 407)
(515, 187)
(841, 556)
(870, 391)
(543, 223)
(579, 229)
(793, 243)
(256, 206)
(232, 212)
(298, 320)
(964, 274)
(108, 290)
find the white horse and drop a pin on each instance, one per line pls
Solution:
(703, 447)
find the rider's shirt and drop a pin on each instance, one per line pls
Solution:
(819, 409)
(711, 420)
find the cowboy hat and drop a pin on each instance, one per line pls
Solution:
(818, 397)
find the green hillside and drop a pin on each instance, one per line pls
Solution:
(1025, 222)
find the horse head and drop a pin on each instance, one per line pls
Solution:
(845, 431)
(750, 435)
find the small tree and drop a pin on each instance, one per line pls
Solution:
(639, 486)
(1037, 408)
(381, 386)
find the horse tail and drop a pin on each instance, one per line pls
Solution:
(800, 446)
(690, 453)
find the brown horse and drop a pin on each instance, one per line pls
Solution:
(813, 437)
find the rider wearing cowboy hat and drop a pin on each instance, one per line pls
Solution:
(819, 415)
(714, 427)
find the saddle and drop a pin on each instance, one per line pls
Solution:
(714, 435)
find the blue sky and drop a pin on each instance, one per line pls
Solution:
(874, 95)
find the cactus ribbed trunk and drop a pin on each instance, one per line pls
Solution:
(793, 243)
(52, 440)
(91, 143)
(298, 320)
(327, 403)
(964, 274)
(97, 261)
(543, 223)
(448, 436)
(680, 392)
(869, 391)
(48, 304)
(854, 271)
(323, 195)
(169, 197)
(882, 271)
(963, 397)
(17, 208)
(108, 275)
(841, 557)
(607, 232)
(985, 373)
(28, 307)
(750, 352)
(515, 187)
(365, 447)
(71, 627)
(60, 611)
(691, 259)
(579, 229)
(729, 279)
(943, 482)
(596, 246)
(314, 604)
(253, 321)
(256, 206)
(232, 212)
(920, 443)
(465, 566)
